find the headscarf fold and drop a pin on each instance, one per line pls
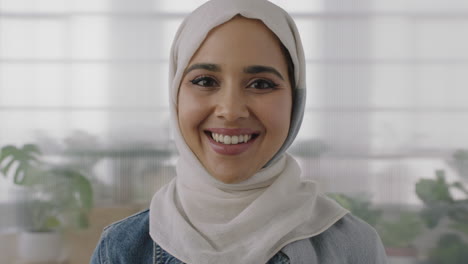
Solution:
(201, 220)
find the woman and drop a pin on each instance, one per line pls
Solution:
(237, 101)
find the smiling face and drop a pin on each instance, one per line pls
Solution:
(234, 102)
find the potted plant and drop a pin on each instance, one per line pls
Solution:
(439, 205)
(58, 198)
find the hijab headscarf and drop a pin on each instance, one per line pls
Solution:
(201, 220)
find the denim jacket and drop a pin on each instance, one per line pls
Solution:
(349, 240)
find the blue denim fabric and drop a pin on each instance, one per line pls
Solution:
(162, 257)
(350, 241)
(128, 241)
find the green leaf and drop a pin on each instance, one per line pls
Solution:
(433, 191)
(81, 189)
(35, 176)
(25, 157)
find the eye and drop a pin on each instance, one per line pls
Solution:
(204, 81)
(262, 84)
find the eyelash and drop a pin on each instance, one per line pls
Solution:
(271, 84)
(203, 78)
(197, 80)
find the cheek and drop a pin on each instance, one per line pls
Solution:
(190, 111)
(278, 116)
(183, 111)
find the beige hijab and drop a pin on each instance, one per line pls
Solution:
(200, 220)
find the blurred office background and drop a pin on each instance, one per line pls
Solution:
(385, 132)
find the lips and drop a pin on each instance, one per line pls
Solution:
(231, 141)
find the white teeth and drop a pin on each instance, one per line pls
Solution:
(228, 140)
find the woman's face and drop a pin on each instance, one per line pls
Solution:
(234, 102)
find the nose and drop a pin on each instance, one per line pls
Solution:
(231, 105)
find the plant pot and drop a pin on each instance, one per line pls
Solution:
(41, 247)
(401, 255)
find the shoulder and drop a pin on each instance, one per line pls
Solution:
(125, 241)
(136, 223)
(350, 227)
(351, 240)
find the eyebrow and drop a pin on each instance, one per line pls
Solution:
(203, 66)
(249, 69)
(260, 68)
